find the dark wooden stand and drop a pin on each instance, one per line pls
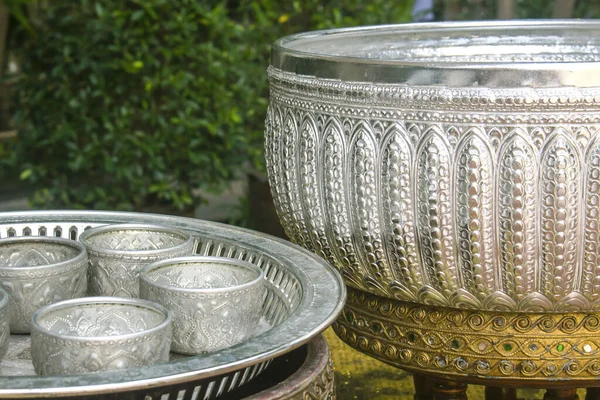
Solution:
(429, 388)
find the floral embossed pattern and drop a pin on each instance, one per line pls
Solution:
(124, 240)
(101, 320)
(39, 271)
(202, 276)
(25, 255)
(499, 345)
(466, 197)
(216, 302)
(99, 334)
(117, 254)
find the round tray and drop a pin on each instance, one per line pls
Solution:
(305, 296)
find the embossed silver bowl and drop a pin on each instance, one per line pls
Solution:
(117, 253)
(94, 334)
(453, 164)
(37, 271)
(216, 302)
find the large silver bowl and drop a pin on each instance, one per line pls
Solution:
(453, 164)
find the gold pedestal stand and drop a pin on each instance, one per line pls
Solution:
(559, 352)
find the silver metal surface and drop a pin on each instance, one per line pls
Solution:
(4, 323)
(305, 295)
(452, 164)
(216, 302)
(93, 334)
(39, 271)
(485, 54)
(117, 253)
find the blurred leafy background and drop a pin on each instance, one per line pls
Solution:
(126, 104)
(122, 104)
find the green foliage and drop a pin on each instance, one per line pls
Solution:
(122, 103)
(524, 9)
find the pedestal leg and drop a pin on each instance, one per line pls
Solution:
(498, 393)
(449, 390)
(423, 387)
(592, 394)
(561, 394)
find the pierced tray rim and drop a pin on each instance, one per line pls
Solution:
(324, 295)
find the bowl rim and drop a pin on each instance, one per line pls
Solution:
(81, 256)
(106, 229)
(360, 69)
(152, 267)
(101, 300)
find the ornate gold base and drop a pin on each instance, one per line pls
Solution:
(491, 348)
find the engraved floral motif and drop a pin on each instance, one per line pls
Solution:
(473, 197)
(433, 212)
(364, 215)
(36, 272)
(290, 191)
(139, 241)
(27, 296)
(497, 345)
(396, 183)
(215, 303)
(590, 285)
(93, 336)
(517, 225)
(208, 323)
(335, 203)
(117, 254)
(119, 277)
(474, 214)
(311, 190)
(560, 169)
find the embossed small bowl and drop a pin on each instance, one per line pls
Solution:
(117, 253)
(37, 271)
(216, 302)
(94, 334)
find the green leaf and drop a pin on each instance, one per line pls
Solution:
(99, 9)
(235, 117)
(25, 174)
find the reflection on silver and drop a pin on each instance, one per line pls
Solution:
(117, 254)
(38, 271)
(454, 164)
(215, 301)
(94, 334)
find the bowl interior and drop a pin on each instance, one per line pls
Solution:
(202, 275)
(99, 320)
(130, 239)
(21, 254)
(477, 43)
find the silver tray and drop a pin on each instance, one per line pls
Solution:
(305, 297)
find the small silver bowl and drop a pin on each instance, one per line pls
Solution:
(94, 334)
(37, 271)
(117, 253)
(216, 302)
